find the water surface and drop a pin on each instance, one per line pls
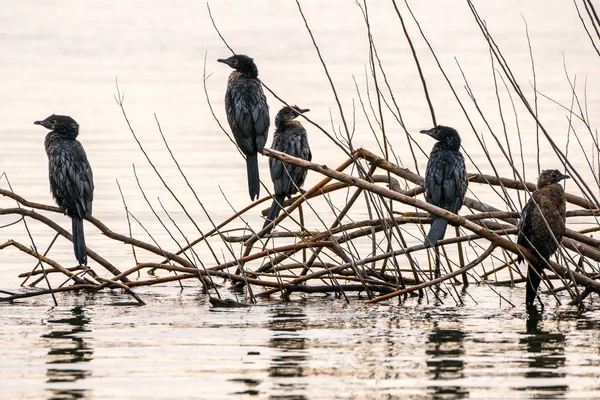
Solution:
(64, 57)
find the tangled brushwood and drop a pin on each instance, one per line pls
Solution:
(313, 260)
(361, 228)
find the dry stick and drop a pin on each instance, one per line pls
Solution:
(504, 130)
(375, 81)
(44, 259)
(585, 27)
(336, 223)
(507, 71)
(459, 271)
(212, 284)
(117, 284)
(405, 173)
(47, 221)
(418, 65)
(33, 271)
(451, 86)
(535, 98)
(128, 220)
(461, 259)
(507, 198)
(315, 189)
(216, 29)
(71, 288)
(398, 114)
(337, 100)
(39, 272)
(139, 185)
(452, 218)
(261, 254)
(503, 63)
(571, 114)
(119, 99)
(364, 109)
(364, 261)
(187, 182)
(593, 15)
(33, 244)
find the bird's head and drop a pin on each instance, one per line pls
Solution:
(550, 176)
(441, 132)
(287, 114)
(61, 124)
(445, 134)
(241, 63)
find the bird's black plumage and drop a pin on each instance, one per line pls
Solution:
(247, 114)
(542, 226)
(445, 178)
(290, 138)
(71, 179)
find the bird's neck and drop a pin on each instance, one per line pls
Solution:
(54, 137)
(251, 72)
(452, 143)
(553, 188)
(282, 125)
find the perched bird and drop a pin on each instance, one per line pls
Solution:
(290, 138)
(71, 180)
(445, 178)
(542, 226)
(247, 114)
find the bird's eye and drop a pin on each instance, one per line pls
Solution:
(52, 121)
(235, 61)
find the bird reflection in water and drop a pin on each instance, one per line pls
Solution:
(445, 350)
(548, 355)
(67, 348)
(290, 359)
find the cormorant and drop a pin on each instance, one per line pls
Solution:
(247, 114)
(542, 226)
(290, 138)
(445, 178)
(71, 180)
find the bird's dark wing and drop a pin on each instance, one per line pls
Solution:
(433, 179)
(526, 225)
(446, 180)
(455, 182)
(288, 177)
(247, 113)
(71, 179)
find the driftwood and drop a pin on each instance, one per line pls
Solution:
(281, 271)
(361, 227)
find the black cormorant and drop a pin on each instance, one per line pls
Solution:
(290, 138)
(445, 178)
(247, 114)
(71, 180)
(542, 226)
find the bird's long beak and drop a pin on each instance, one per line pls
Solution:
(302, 110)
(426, 131)
(222, 60)
(565, 177)
(38, 123)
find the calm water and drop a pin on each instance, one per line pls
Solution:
(319, 348)
(64, 57)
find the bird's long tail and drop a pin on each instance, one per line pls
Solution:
(253, 176)
(436, 232)
(278, 201)
(533, 282)
(79, 241)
